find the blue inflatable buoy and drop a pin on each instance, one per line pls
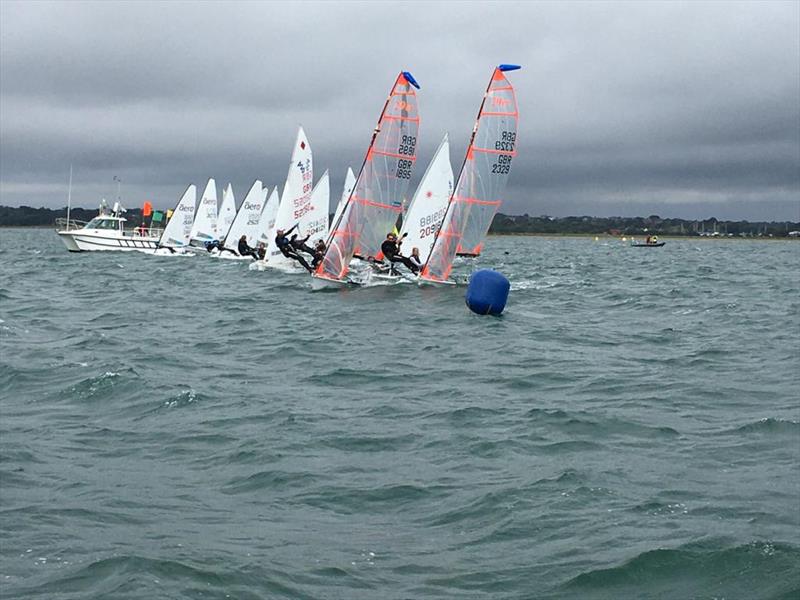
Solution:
(487, 292)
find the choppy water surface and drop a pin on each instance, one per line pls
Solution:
(186, 428)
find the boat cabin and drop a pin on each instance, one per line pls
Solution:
(106, 222)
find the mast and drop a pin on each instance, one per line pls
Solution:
(69, 195)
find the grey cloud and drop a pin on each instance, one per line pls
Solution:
(691, 107)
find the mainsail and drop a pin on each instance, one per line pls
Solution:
(482, 179)
(176, 233)
(317, 226)
(425, 214)
(204, 228)
(227, 213)
(296, 206)
(377, 198)
(349, 184)
(267, 222)
(248, 217)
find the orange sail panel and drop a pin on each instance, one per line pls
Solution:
(482, 181)
(381, 186)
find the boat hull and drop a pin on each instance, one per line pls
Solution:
(434, 283)
(323, 283)
(76, 241)
(657, 245)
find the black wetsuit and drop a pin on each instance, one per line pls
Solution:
(245, 250)
(285, 246)
(391, 251)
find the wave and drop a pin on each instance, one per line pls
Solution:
(760, 569)
(767, 425)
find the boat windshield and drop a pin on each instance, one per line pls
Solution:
(101, 223)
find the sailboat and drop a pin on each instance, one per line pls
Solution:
(227, 213)
(349, 184)
(204, 228)
(245, 223)
(377, 198)
(427, 208)
(481, 181)
(175, 238)
(299, 206)
(266, 224)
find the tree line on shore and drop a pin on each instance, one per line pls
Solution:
(26, 216)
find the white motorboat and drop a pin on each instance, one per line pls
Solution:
(106, 232)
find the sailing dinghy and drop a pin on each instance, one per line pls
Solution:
(299, 206)
(481, 182)
(377, 198)
(174, 240)
(427, 208)
(265, 226)
(227, 213)
(204, 228)
(245, 223)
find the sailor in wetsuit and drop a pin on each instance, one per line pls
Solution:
(285, 246)
(319, 253)
(391, 250)
(245, 249)
(415, 258)
(300, 245)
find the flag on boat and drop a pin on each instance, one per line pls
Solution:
(147, 209)
(158, 216)
(169, 213)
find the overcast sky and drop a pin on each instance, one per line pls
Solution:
(678, 109)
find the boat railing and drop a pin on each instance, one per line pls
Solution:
(141, 232)
(63, 224)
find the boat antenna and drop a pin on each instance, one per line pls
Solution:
(69, 195)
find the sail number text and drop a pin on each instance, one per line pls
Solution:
(503, 164)
(506, 141)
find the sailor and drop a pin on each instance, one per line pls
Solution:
(213, 245)
(245, 249)
(319, 252)
(261, 250)
(391, 250)
(300, 245)
(285, 246)
(415, 258)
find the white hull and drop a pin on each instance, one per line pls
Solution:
(433, 283)
(168, 252)
(263, 265)
(323, 283)
(76, 241)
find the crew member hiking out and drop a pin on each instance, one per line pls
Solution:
(244, 248)
(285, 246)
(391, 250)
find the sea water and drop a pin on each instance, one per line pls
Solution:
(187, 428)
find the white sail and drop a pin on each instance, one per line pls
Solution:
(295, 207)
(315, 221)
(425, 214)
(349, 184)
(248, 217)
(227, 213)
(267, 222)
(179, 228)
(204, 228)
